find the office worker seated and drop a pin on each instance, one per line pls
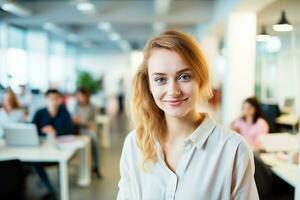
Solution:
(54, 120)
(11, 111)
(84, 120)
(251, 124)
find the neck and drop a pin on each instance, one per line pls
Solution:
(52, 111)
(84, 104)
(180, 128)
(249, 119)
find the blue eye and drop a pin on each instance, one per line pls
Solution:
(160, 80)
(184, 77)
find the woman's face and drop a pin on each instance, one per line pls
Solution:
(172, 83)
(248, 110)
(81, 98)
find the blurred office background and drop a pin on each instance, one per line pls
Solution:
(97, 44)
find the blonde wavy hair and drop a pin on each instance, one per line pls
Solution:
(149, 119)
(12, 99)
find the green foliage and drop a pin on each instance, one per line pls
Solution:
(85, 80)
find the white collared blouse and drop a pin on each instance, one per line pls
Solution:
(215, 164)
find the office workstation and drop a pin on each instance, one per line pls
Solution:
(68, 96)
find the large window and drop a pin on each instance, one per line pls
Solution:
(16, 58)
(57, 66)
(36, 58)
(37, 47)
(277, 75)
(3, 46)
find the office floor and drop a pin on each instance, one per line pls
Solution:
(105, 188)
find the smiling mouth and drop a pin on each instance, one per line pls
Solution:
(176, 102)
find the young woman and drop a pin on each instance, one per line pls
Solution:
(175, 152)
(11, 111)
(251, 124)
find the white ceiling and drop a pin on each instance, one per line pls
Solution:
(134, 19)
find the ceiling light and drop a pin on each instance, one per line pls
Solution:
(15, 9)
(85, 6)
(114, 36)
(283, 24)
(263, 36)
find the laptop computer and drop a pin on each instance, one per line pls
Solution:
(21, 134)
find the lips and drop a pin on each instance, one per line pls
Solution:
(175, 102)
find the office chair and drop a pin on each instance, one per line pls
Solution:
(12, 180)
(270, 113)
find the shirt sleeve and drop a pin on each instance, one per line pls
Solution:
(68, 126)
(243, 183)
(124, 183)
(264, 126)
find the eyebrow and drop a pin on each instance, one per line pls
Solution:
(180, 71)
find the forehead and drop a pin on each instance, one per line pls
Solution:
(165, 61)
(53, 95)
(246, 104)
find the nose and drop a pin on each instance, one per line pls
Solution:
(173, 89)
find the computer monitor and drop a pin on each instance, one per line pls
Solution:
(270, 113)
(21, 134)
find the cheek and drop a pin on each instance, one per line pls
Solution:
(157, 93)
(191, 90)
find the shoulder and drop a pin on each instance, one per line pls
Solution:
(130, 146)
(230, 139)
(261, 121)
(63, 110)
(235, 145)
(41, 111)
(130, 152)
(130, 140)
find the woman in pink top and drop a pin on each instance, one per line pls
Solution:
(251, 124)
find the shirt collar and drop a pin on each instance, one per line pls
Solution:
(202, 132)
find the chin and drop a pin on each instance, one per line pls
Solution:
(176, 113)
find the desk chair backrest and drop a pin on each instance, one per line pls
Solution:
(270, 113)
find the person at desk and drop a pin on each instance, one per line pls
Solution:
(251, 124)
(54, 120)
(11, 111)
(176, 152)
(84, 120)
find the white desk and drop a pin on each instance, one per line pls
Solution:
(289, 120)
(53, 153)
(285, 170)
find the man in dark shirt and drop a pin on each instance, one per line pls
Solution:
(54, 120)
